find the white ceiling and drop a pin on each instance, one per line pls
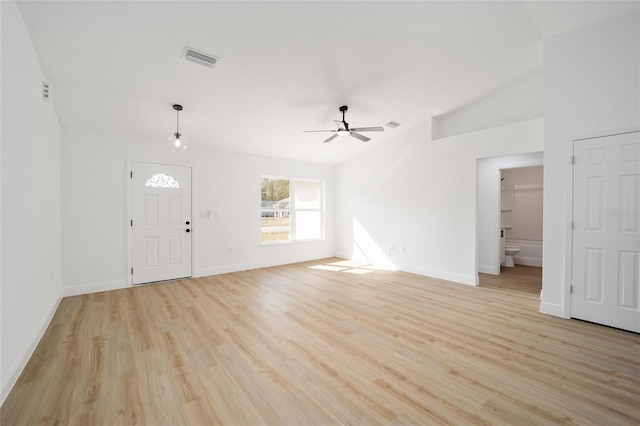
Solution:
(285, 67)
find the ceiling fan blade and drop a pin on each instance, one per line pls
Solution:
(331, 138)
(315, 131)
(359, 136)
(368, 129)
(340, 124)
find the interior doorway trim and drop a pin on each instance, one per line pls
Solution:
(129, 206)
(525, 159)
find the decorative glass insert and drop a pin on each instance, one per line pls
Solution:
(161, 180)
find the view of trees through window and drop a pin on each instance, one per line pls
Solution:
(275, 224)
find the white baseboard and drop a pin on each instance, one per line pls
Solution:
(442, 275)
(551, 309)
(21, 362)
(95, 287)
(528, 261)
(483, 269)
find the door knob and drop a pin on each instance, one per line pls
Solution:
(188, 230)
(187, 222)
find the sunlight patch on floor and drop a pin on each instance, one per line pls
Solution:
(327, 268)
(351, 263)
(351, 267)
(358, 271)
(348, 269)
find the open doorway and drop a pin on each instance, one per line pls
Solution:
(521, 199)
(513, 218)
(521, 216)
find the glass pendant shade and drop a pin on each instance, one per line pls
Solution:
(177, 142)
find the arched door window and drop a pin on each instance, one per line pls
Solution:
(161, 180)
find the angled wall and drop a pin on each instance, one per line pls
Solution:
(516, 102)
(30, 168)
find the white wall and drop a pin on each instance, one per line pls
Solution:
(592, 85)
(522, 199)
(517, 102)
(95, 217)
(419, 196)
(488, 206)
(522, 193)
(30, 169)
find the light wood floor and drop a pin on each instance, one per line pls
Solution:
(323, 343)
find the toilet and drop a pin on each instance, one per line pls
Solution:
(510, 251)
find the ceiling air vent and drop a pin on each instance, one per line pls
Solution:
(393, 124)
(201, 58)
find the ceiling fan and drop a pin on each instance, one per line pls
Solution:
(344, 130)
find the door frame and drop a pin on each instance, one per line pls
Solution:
(569, 153)
(511, 161)
(130, 206)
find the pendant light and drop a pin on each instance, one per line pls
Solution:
(177, 143)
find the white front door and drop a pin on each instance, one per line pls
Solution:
(606, 236)
(160, 222)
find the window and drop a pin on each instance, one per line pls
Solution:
(291, 210)
(308, 210)
(162, 180)
(274, 221)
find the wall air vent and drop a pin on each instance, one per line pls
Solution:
(46, 91)
(201, 58)
(393, 124)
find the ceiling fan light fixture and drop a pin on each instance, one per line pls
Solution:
(345, 130)
(177, 142)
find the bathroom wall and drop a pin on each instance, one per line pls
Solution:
(521, 214)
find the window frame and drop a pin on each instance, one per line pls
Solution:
(293, 210)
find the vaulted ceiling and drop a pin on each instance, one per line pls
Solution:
(117, 67)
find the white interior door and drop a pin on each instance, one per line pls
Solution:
(160, 222)
(606, 236)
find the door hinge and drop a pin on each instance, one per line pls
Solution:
(131, 174)
(572, 225)
(131, 271)
(131, 222)
(570, 289)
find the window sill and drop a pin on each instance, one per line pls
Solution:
(275, 243)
